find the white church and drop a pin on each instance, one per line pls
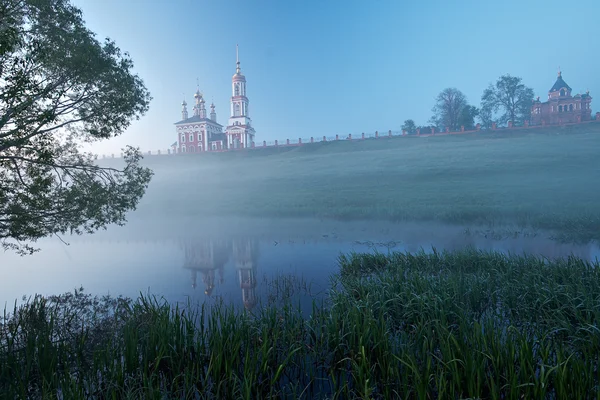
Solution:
(200, 133)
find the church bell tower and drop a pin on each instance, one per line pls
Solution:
(239, 132)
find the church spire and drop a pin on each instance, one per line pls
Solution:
(202, 112)
(213, 114)
(184, 112)
(237, 60)
(199, 101)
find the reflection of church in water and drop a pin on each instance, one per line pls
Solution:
(209, 258)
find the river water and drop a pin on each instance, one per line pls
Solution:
(234, 259)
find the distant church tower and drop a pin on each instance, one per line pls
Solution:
(239, 132)
(184, 113)
(213, 113)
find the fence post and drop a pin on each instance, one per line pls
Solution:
(418, 131)
(253, 144)
(363, 135)
(312, 139)
(324, 139)
(447, 130)
(264, 143)
(287, 141)
(494, 126)
(112, 155)
(158, 152)
(390, 133)
(510, 124)
(276, 143)
(462, 128)
(299, 140)
(337, 137)
(376, 134)
(349, 136)
(478, 127)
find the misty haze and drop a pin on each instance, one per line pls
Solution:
(317, 201)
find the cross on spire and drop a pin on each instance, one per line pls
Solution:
(237, 59)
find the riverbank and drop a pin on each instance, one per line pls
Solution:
(441, 325)
(542, 180)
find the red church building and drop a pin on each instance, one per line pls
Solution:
(561, 107)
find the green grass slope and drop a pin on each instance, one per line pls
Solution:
(545, 178)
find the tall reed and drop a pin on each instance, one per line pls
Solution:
(425, 326)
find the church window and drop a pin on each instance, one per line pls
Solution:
(192, 149)
(571, 107)
(191, 137)
(183, 148)
(200, 136)
(237, 89)
(237, 110)
(562, 92)
(183, 137)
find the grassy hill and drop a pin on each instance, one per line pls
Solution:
(546, 178)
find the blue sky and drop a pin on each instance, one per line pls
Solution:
(331, 67)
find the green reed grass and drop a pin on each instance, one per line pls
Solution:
(455, 325)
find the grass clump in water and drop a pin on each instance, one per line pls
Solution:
(442, 325)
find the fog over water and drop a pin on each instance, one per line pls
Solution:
(218, 257)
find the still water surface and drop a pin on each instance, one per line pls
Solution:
(220, 258)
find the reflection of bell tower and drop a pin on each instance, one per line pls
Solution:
(245, 255)
(206, 257)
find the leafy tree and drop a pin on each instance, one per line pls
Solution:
(425, 129)
(486, 118)
(510, 97)
(409, 126)
(59, 88)
(448, 109)
(467, 117)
